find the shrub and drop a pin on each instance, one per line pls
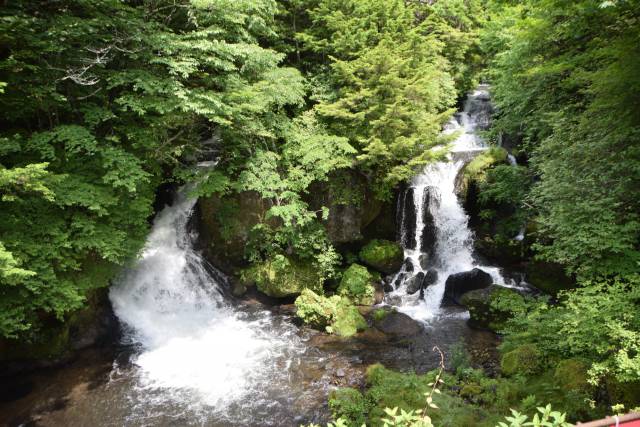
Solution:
(383, 255)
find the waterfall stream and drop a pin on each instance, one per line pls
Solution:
(434, 226)
(198, 354)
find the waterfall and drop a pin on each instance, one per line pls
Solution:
(195, 350)
(444, 243)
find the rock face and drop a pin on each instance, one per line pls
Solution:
(406, 219)
(384, 256)
(56, 342)
(428, 238)
(460, 283)
(224, 225)
(485, 313)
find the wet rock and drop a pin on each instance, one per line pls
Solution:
(414, 284)
(428, 238)
(460, 283)
(379, 292)
(430, 277)
(396, 324)
(408, 265)
(406, 219)
(424, 261)
(399, 280)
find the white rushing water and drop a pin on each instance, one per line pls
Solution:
(453, 247)
(197, 352)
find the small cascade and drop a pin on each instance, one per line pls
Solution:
(434, 228)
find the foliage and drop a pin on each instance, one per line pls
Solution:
(598, 323)
(547, 418)
(564, 83)
(101, 101)
(356, 284)
(383, 255)
(524, 360)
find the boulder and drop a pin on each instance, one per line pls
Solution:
(335, 314)
(358, 284)
(382, 255)
(525, 360)
(398, 324)
(424, 261)
(491, 307)
(282, 277)
(460, 283)
(408, 265)
(414, 283)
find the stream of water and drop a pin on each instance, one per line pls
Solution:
(433, 224)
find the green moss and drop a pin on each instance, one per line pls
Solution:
(471, 391)
(349, 404)
(282, 277)
(383, 255)
(523, 360)
(356, 284)
(571, 375)
(476, 170)
(380, 314)
(347, 320)
(335, 314)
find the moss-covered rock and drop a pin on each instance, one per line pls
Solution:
(490, 308)
(282, 277)
(627, 393)
(571, 375)
(358, 284)
(475, 171)
(382, 255)
(523, 360)
(335, 314)
(548, 277)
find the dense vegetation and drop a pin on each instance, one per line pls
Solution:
(307, 101)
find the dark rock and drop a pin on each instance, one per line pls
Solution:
(548, 277)
(428, 238)
(430, 277)
(399, 280)
(424, 261)
(406, 219)
(398, 325)
(414, 284)
(460, 283)
(408, 265)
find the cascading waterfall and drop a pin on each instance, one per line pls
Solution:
(434, 227)
(196, 351)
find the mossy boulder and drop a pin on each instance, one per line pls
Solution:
(523, 360)
(282, 276)
(548, 277)
(571, 375)
(474, 172)
(335, 314)
(358, 284)
(382, 255)
(491, 307)
(627, 393)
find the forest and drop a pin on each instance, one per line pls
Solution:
(297, 127)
